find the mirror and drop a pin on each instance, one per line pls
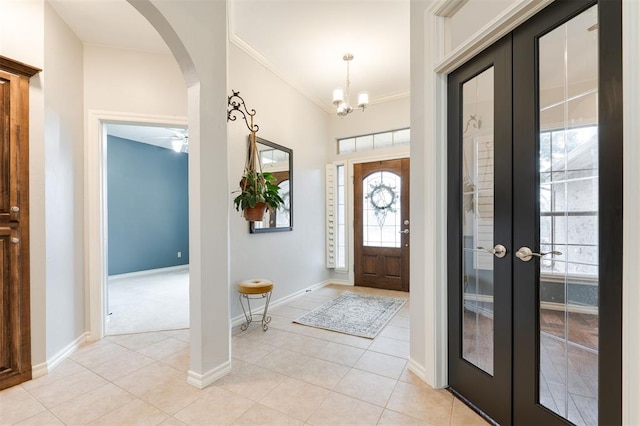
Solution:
(278, 161)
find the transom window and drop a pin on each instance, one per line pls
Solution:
(374, 141)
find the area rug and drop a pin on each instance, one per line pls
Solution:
(352, 313)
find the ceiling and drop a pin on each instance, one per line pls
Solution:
(303, 41)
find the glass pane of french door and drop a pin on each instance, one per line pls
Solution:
(478, 220)
(568, 176)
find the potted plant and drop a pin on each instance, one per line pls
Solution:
(257, 193)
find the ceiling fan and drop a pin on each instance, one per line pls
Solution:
(177, 139)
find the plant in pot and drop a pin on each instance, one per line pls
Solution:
(257, 193)
(257, 190)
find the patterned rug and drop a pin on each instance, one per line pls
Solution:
(352, 313)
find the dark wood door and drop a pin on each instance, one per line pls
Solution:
(381, 221)
(15, 329)
(540, 172)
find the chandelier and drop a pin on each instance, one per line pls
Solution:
(341, 95)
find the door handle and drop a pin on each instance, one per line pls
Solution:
(404, 231)
(498, 250)
(525, 254)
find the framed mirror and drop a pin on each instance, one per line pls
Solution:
(277, 160)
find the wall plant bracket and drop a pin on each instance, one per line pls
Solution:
(236, 105)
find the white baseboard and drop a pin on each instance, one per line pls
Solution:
(149, 272)
(258, 310)
(45, 368)
(417, 369)
(339, 282)
(201, 381)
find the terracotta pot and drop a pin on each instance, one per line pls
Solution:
(255, 214)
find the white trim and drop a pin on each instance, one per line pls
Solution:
(148, 272)
(45, 368)
(95, 215)
(258, 310)
(417, 369)
(447, 8)
(201, 381)
(502, 25)
(631, 212)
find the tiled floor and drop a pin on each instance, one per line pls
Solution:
(289, 375)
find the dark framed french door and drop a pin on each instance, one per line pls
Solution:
(535, 220)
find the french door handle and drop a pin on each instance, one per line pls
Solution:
(525, 254)
(498, 250)
(404, 231)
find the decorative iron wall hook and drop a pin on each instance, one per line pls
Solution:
(235, 102)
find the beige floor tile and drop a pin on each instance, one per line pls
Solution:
(172, 421)
(408, 376)
(463, 415)
(183, 334)
(250, 381)
(400, 321)
(217, 406)
(339, 409)
(147, 378)
(92, 405)
(283, 323)
(136, 412)
(163, 348)
(392, 418)
(322, 373)
(179, 360)
(295, 398)
(283, 361)
(16, 404)
(339, 353)
(122, 365)
(389, 346)
(305, 344)
(366, 386)
(347, 339)
(248, 350)
(67, 388)
(262, 415)
(172, 396)
(288, 312)
(273, 337)
(45, 418)
(94, 354)
(395, 332)
(137, 341)
(422, 402)
(382, 364)
(66, 368)
(306, 304)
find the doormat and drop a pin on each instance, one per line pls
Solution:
(352, 313)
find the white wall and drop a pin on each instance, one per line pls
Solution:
(22, 39)
(133, 81)
(64, 164)
(293, 260)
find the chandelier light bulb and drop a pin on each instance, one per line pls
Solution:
(363, 100)
(338, 96)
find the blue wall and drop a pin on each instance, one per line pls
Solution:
(147, 191)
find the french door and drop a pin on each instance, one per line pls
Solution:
(535, 222)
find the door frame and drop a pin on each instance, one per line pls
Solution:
(349, 203)
(96, 208)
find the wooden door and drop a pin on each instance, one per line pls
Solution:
(381, 212)
(15, 328)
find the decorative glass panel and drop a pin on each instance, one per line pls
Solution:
(477, 210)
(568, 84)
(381, 210)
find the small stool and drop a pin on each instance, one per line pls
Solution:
(255, 289)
